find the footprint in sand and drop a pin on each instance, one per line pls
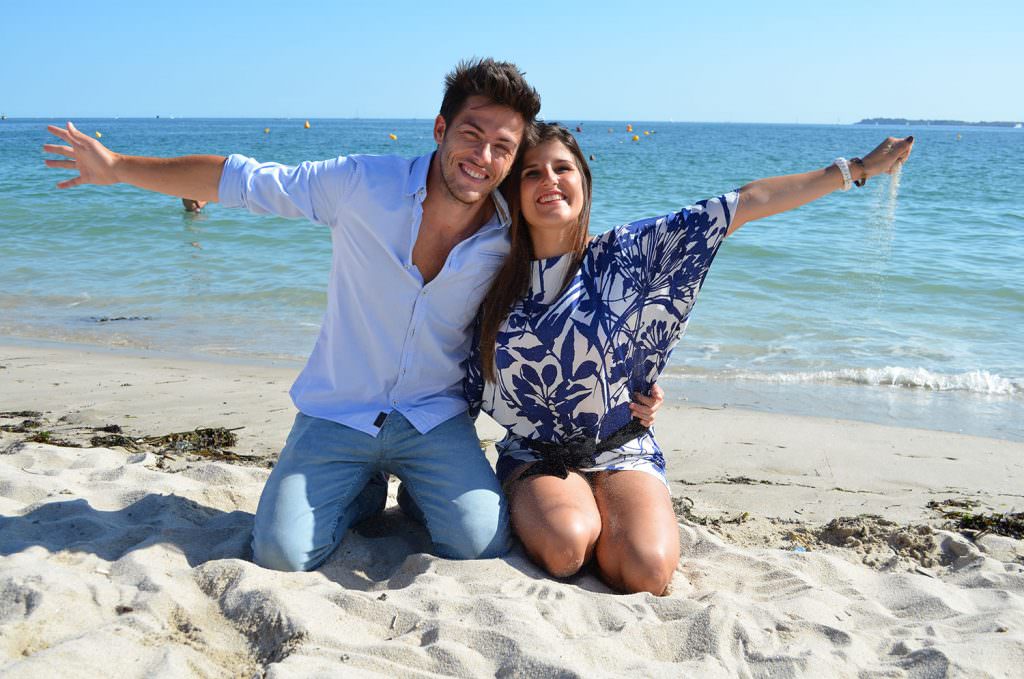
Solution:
(516, 589)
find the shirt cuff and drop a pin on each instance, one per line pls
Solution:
(732, 201)
(233, 179)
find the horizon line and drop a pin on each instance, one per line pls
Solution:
(580, 121)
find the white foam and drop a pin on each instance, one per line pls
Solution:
(974, 381)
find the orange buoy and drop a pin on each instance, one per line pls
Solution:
(393, 136)
(266, 130)
(306, 125)
(647, 133)
(98, 135)
(636, 137)
(629, 128)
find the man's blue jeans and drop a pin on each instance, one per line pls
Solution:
(329, 477)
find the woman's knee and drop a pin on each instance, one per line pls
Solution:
(646, 568)
(564, 543)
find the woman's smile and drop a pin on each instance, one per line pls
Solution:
(551, 188)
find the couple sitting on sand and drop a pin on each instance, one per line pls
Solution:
(443, 294)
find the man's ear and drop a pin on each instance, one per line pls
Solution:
(439, 127)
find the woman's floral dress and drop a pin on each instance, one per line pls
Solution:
(568, 362)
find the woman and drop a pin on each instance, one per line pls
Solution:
(574, 325)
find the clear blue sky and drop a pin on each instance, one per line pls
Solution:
(808, 62)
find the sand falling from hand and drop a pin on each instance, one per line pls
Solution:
(883, 213)
(880, 230)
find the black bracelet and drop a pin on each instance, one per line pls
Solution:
(859, 163)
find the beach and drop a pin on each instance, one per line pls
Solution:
(809, 548)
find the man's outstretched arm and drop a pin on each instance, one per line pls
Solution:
(195, 177)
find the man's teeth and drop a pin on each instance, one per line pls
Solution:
(551, 197)
(473, 173)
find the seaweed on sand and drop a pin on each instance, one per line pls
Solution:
(49, 439)
(1007, 524)
(685, 511)
(112, 440)
(22, 427)
(204, 438)
(1010, 524)
(207, 442)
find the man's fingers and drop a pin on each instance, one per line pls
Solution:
(658, 394)
(59, 132)
(70, 183)
(62, 164)
(643, 414)
(65, 151)
(653, 401)
(640, 398)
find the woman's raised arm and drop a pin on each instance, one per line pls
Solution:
(766, 197)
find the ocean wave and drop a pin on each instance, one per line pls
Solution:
(974, 381)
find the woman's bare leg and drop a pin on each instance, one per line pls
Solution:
(556, 519)
(638, 549)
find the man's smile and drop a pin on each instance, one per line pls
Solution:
(472, 172)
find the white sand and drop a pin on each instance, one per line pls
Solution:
(112, 566)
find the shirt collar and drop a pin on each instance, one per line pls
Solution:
(417, 180)
(416, 184)
(501, 208)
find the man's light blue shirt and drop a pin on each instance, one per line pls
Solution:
(387, 342)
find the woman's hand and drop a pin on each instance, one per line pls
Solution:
(645, 407)
(887, 157)
(766, 197)
(94, 161)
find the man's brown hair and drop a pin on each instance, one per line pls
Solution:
(500, 81)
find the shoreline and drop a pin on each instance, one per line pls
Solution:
(952, 411)
(820, 460)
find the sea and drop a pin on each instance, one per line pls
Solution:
(900, 303)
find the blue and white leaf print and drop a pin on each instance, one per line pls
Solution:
(567, 364)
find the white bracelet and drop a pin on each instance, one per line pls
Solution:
(844, 169)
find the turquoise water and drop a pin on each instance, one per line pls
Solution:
(901, 307)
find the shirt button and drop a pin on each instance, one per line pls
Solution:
(394, 403)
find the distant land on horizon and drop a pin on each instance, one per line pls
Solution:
(907, 121)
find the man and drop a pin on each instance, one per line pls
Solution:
(416, 243)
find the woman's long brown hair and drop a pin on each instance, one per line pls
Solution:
(513, 279)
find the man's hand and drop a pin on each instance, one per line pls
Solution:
(195, 177)
(645, 407)
(94, 162)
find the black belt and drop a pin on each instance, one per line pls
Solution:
(558, 459)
